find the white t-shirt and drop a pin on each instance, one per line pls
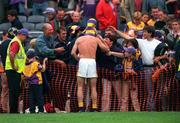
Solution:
(147, 50)
(88, 2)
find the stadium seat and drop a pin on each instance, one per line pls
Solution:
(36, 19)
(5, 26)
(22, 18)
(39, 26)
(35, 34)
(29, 26)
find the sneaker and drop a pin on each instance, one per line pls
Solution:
(94, 110)
(81, 109)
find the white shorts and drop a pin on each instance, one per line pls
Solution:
(87, 68)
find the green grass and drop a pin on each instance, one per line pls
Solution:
(99, 117)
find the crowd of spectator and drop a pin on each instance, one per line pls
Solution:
(131, 32)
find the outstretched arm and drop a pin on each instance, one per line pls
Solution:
(117, 54)
(122, 34)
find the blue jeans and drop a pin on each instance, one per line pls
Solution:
(39, 8)
(21, 8)
(36, 97)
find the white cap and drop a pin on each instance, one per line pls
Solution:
(49, 10)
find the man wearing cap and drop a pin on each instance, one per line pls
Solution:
(50, 13)
(87, 46)
(15, 63)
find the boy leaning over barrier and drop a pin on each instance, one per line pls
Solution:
(32, 73)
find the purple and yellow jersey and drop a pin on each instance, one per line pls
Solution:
(32, 72)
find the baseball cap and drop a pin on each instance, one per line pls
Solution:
(131, 50)
(31, 53)
(49, 10)
(24, 31)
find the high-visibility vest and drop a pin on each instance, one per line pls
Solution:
(19, 59)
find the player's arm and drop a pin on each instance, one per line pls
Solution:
(102, 45)
(122, 34)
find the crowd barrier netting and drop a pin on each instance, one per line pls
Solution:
(63, 86)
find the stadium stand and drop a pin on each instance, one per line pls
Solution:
(22, 18)
(36, 19)
(39, 26)
(29, 26)
(5, 26)
(35, 34)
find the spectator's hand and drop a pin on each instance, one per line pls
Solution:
(127, 55)
(164, 67)
(23, 78)
(59, 50)
(112, 28)
(109, 53)
(78, 9)
(45, 60)
(15, 68)
(156, 59)
(131, 72)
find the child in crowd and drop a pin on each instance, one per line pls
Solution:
(130, 66)
(32, 73)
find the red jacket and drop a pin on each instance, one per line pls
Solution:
(105, 15)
